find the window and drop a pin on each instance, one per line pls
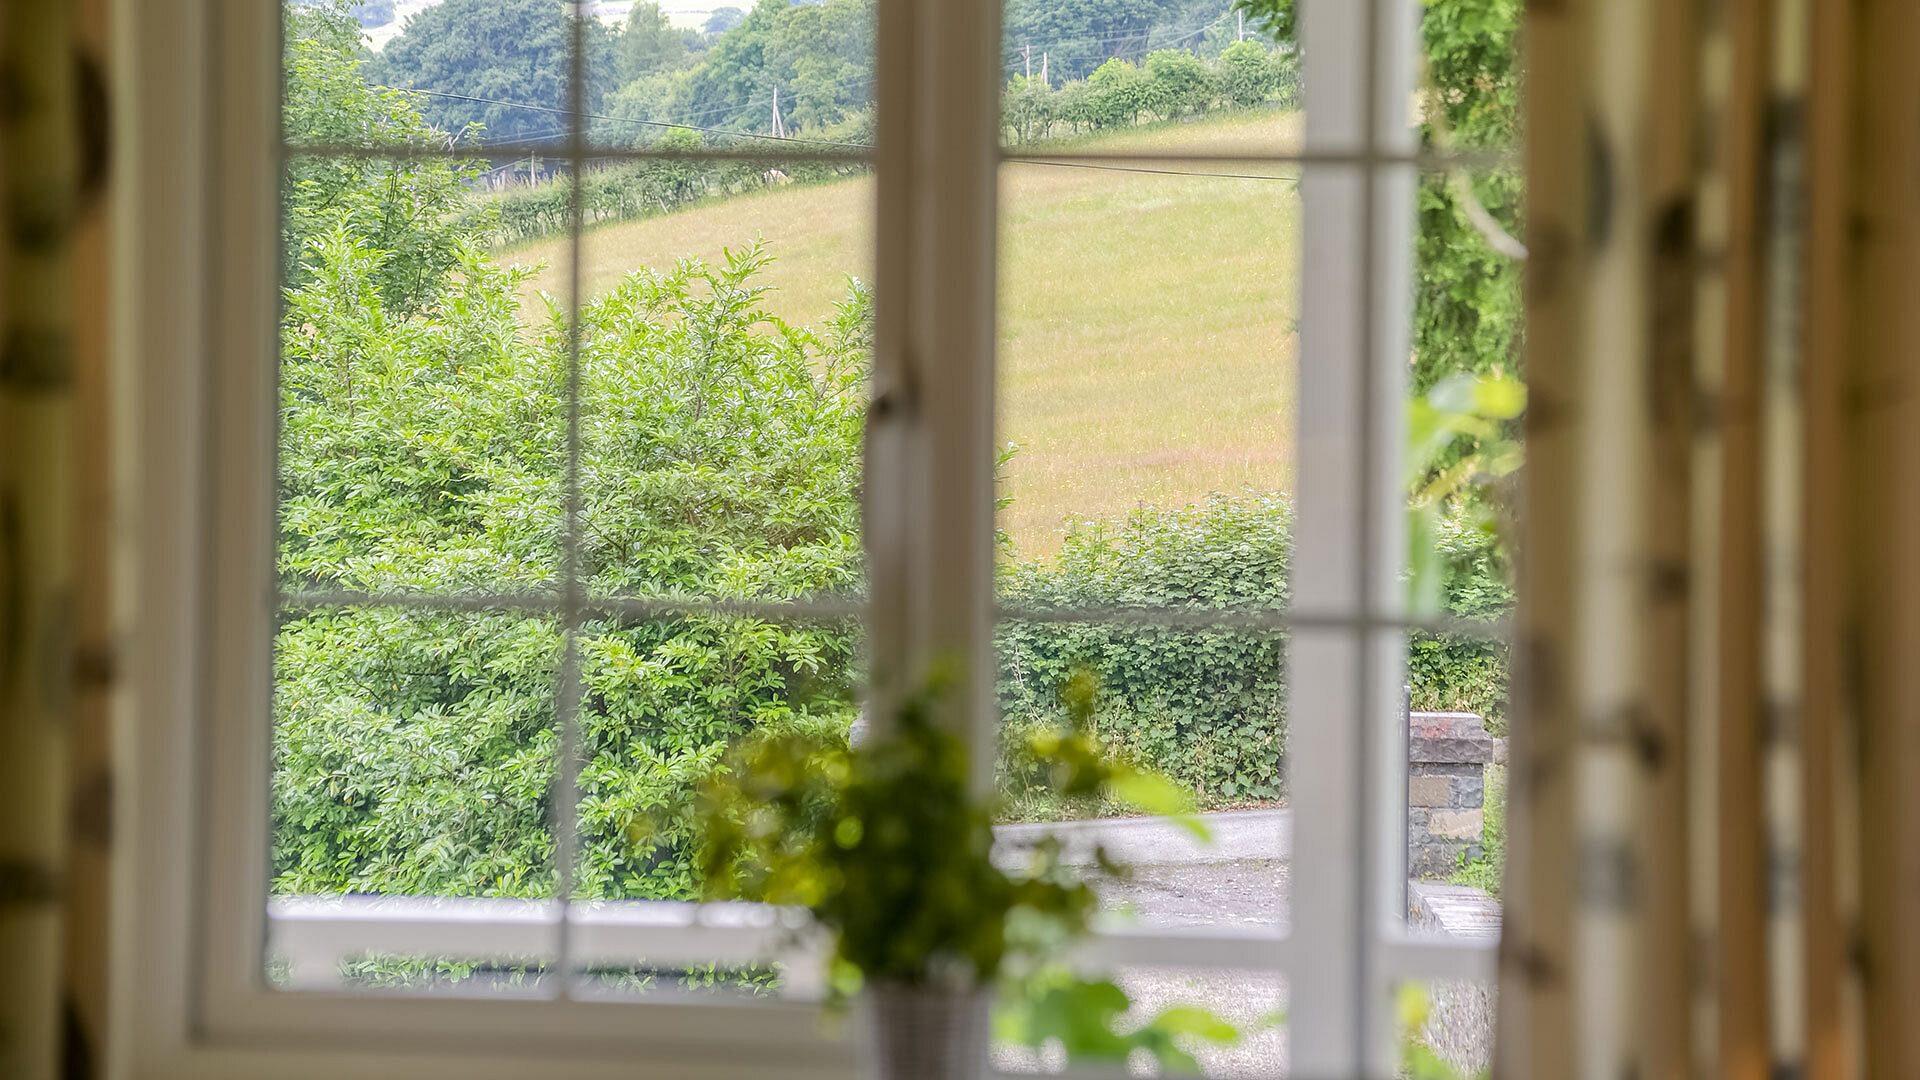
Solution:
(355, 541)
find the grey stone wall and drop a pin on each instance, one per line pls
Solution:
(1447, 756)
(1460, 1014)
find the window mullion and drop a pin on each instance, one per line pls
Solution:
(1392, 140)
(1344, 702)
(930, 457)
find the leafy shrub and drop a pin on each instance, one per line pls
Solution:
(1206, 707)
(720, 458)
(415, 750)
(1449, 672)
(405, 206)
(1169, 84)
(1249, 73)
(1178, 84)
(1119, 94)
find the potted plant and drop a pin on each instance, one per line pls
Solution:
(890, 849)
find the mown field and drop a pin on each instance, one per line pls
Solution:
(1147, 320)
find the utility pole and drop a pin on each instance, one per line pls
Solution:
(1027, 51)
(1241, 34)
(1044, 81)
(779, 128)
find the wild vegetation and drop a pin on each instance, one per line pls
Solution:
(424, 390)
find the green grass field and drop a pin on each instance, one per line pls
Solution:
(1147, 321)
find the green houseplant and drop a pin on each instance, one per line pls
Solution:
(890, 849)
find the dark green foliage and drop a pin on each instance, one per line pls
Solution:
(1171, 85)
(1080, 35)
(504, 50)
(819, 56)
(649, 43)
(1449, 673)
(1207, 707)
(405, 208)
(721, 458)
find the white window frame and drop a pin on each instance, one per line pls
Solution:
(196, 301)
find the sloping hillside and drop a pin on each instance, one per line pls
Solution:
(1147, 323)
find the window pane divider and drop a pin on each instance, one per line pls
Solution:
(826, 609)
(854, 155)
(1360, 157)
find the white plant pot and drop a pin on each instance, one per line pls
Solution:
(924, 1033)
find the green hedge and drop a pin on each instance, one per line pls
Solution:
(1452, 673)
(1208, 707)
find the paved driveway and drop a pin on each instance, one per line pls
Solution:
(1242, 878)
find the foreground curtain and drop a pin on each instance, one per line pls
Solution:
(39, 193)
(1715, 850)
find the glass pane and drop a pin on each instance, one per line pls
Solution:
(725, 352)
(665, 701)
(1114, 77)
(1147, 355)
(745, 77)
(1252, 1042)
(436, 74)
(1206, 710)
(413, 766)
(422, 422)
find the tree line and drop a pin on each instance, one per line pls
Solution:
(817, 55)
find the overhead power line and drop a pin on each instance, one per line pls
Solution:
(623, 119)
(1050, 162)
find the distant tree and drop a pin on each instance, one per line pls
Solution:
(823, 54)
(649, 43)
(1177, 83)
(723, 20)
(1073, 105)
(1117, 94)
(517, 52)
(1079, 35)
(1028, 107)
(406, 208)
(656, 98)
(818, 56)
(1248, 73)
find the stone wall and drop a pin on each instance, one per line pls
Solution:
(1447, 757)
(1459, 1024)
